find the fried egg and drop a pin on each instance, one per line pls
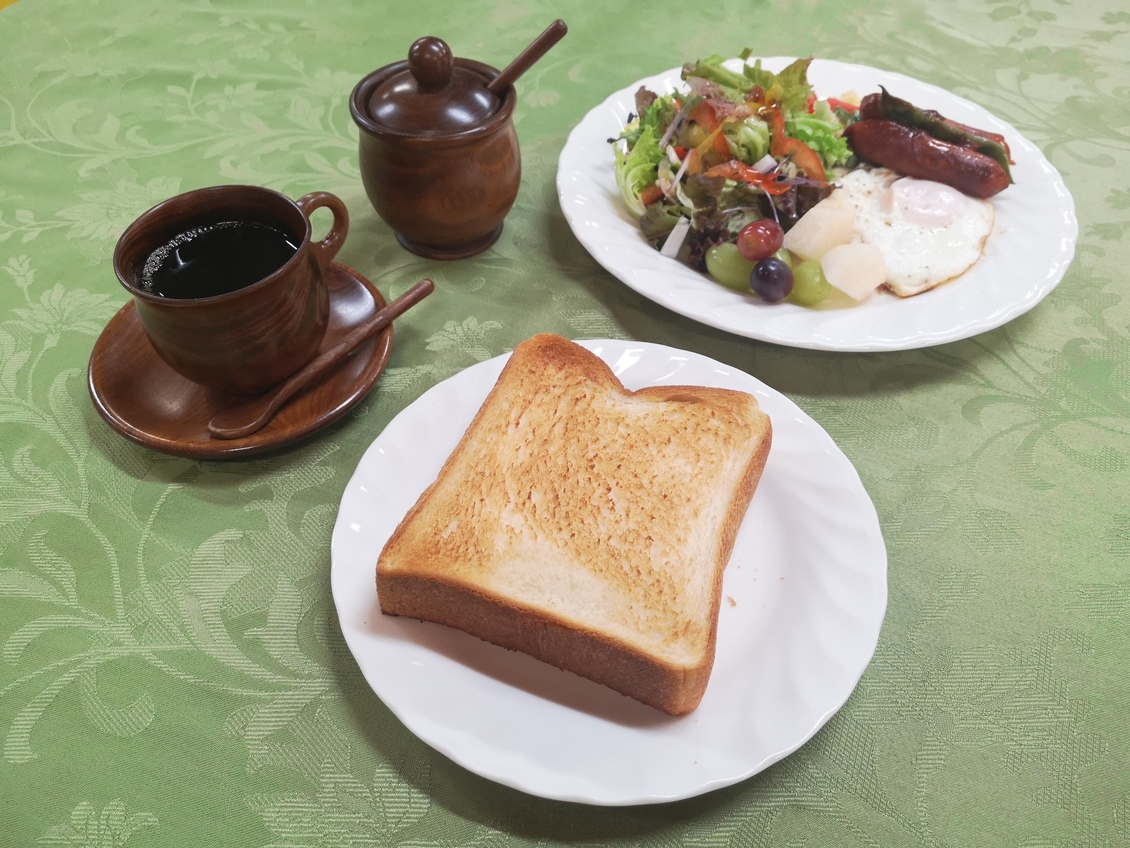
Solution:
(926, 232)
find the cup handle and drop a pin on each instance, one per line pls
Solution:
(326, 249)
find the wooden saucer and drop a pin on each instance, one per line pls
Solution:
(146, 401)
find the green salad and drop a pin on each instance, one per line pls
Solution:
(717, 174)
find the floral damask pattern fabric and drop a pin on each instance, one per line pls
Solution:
(171, 670)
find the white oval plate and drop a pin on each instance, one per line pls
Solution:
(1026, 256)
(804, 596)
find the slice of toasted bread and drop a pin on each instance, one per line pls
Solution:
(585, 524)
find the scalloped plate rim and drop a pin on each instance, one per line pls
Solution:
(1039, 203)
(392, 652)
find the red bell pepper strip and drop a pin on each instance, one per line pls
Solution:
(651, 194)
(713, 143)
(782, 145)
(718, 143)
(739, 171)
(836, 103)
(704, 115)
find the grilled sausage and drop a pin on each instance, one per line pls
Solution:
(916, 153)
(871, 108)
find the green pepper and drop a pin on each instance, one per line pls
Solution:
(902, 112)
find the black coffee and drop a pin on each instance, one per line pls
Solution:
(216, 259)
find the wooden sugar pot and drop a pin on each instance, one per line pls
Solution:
(438, 153)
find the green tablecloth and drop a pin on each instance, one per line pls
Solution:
(171, 669)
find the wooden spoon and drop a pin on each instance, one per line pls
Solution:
(538, 48)
(249, 417)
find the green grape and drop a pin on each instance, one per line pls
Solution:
(785, 256)
(809, 285)
(728, 266)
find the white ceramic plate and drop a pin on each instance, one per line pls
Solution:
(1026, 255)
(804, 596)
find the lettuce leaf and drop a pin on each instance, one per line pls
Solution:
(638, 168)
(735, 85)
(822, 131)
(749, 139)
(658, 220)
(789, 88)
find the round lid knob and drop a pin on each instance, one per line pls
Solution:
(434, 96)
(431, 63)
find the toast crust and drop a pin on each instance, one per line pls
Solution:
(585, 524)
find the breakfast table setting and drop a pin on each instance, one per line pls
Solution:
(920, 631)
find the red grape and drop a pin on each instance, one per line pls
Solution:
(760, 239)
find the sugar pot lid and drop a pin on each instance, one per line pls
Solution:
(434, 95)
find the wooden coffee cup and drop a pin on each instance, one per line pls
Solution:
(247, 340)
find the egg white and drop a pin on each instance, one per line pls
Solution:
(927, 232)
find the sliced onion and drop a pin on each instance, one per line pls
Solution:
(674, 125)
(676, 238)
(766, 164)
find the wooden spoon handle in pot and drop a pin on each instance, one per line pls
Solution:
(538, 48)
